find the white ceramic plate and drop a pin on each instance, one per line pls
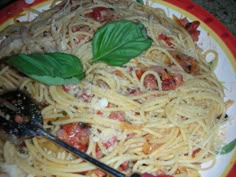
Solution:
(213, 36)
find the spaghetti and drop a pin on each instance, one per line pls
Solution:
(158, 114)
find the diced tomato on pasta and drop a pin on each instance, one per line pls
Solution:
(194, 152)
(172, 83)
(124, 166)
(117, 73)
(110, 142)
(188, 63)
(150, 82)
(168, 84)
(99, 173)
(100, 14)
(165, 38)
(67, 88)
(80, 38)
(98, 152)
(134, 91)
(85, 97)
(169, 81)
(117, 115)
(74, 135)
(99, 112)
(96, 172)
(191, 27)
(139, 73)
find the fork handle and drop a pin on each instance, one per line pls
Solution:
(56, 140)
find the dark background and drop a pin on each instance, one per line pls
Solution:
(4, 3)
(223, 10)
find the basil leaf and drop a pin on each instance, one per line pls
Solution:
(51, 68)
(118, 42)
(140, 1)
(227, 148)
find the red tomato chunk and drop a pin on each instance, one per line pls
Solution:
(100, 14)
(75, 135)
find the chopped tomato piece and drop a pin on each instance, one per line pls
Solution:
(99, 173)
(191, 27)
(99, 112)
(117, 115)
(75, 135)
(139, 73)
(172, 83)
(178, 79)
(124, 166)
(182, 21)
(110, 142)
(98, 152)
(169, 81)
(168, 84)
(118, 73)
(134, 92)
(100, 14)
(162, 71)
(188, 63)
(81, 94)
(150, 82)
(67, 88)
(165, 38)
(80, 38)
(96, 172)
(194, 152)
(85, 97)
(21, 119)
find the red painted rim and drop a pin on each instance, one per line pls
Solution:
(16, 8)
(227, 37)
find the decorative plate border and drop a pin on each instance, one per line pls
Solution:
(221, 34)
(13, 10)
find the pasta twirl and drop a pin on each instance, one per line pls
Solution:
(159, 113)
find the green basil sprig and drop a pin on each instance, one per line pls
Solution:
(140, 1)
(116, 43)
(227, 148)
(50, 68)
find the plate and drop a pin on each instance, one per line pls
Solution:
(213, 35)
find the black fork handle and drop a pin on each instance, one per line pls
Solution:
(42, 132)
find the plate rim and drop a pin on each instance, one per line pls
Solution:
(219, 32)
(210, 23)
(208, 19)
(225, 39)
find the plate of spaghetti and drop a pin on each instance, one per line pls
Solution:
(145, 87)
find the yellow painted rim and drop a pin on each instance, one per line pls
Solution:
(192, 17)
(224, 48)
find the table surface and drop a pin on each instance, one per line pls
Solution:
(223, 10)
